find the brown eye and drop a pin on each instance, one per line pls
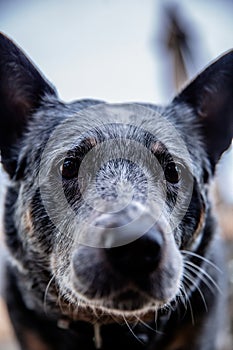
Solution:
(69, 168)
(172, 172)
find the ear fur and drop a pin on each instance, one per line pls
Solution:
(22, 88)
(211, 96)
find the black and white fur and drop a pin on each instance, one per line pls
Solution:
(107, 216)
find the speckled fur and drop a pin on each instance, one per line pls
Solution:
(61, 289)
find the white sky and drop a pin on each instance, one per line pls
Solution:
(104, 48)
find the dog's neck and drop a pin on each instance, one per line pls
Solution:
(65, 324)
(139, 335)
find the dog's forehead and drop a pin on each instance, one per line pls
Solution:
(119, 121)
(124, 113)
(123, 128)
(108, 117)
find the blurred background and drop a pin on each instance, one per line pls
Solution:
(125, 50)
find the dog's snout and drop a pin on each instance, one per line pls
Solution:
(133, 240)
(133, 247)
(139, 256)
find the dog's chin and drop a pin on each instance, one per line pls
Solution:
(128, 306)
(103, 314)
(128, 301)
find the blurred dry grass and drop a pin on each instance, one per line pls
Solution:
(6, 333)
(225, 214)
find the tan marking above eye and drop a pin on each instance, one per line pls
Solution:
(156, 147)
(92, 141)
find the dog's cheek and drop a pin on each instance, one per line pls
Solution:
(60, 261)
(13, 240)
(91, 274)
(167, 279)
(193, 222)
(60, 258)
(27, 223)
(38, 224)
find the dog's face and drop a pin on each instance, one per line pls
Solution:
(108, 202)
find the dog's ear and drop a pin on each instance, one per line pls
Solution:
(22, 88)
(211, 96)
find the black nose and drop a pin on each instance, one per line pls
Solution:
(139, 257)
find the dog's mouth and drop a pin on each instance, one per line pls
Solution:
(126, 305)
(128, 300)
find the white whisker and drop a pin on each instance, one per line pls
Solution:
(183, 296)
(189, 303)
(131, 330)
(46, 293)
(189, 278)
(145, 324)
(201, 277)
(187, 252)
(202, 273)
(155, 320)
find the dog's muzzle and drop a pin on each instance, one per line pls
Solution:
(132, 248)
(132, 240)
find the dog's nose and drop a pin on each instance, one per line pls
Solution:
(139, 257)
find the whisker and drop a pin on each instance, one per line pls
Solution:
(189, 303)
(145, 324)
(183, 296)
(46, 293)
(203, 272)
(201, 277)
(131, 330)
(189, 277)
(187, 252)
(156, 323)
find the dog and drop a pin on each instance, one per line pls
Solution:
(108, 219)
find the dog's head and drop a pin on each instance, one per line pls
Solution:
(107, 203)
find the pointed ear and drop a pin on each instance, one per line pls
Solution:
(22, 88)
(211, 96)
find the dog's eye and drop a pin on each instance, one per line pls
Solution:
(69, 168)
(172, 172)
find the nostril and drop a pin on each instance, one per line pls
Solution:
(141, 256)
(152, 248)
